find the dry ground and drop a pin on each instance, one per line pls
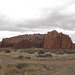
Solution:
(58, 64)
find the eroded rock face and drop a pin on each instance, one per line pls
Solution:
(23, 44)
(55, 40)
(36, 39)
(51, 40)
(6, 43)
(73, 46)
(0, 44)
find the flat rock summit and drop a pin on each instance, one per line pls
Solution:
(51, 40)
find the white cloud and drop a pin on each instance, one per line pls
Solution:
(29, 9)
(33, 16)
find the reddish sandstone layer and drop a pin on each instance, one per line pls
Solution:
(55, 40)
(52, 40)
(0, 44)
(23, 44)
(36, 39)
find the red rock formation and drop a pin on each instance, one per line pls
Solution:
(36, 39)
(6, 44)
(73, 46)
(23, 44)
(0, 44)
(55, 40)
(52, 40)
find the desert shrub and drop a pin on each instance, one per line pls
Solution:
(31, 52)
(58, 51)
(44, 55)
(21, 68)
(41, 52)
(20, 57)
(21, 51)
(48, 55)
(70, 51)
(62, 51)
(7, 51)
(22, 65)
(1, 50)
(27, 57)
(0, 67)
(40, 55)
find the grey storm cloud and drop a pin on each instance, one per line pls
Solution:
(55, 19)
(58, 16)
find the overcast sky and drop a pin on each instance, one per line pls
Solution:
(36, 16)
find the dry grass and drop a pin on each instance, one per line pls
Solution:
(38, 69)
(38, 65)
(21, 68)
(0, 66)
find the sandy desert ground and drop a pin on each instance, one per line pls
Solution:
(37, 61)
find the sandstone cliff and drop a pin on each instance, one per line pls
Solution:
(51, 40)
(36, 39)
(23, 44)
(55, 40)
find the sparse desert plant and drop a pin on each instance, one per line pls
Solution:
(41, 52)
(47, 67)
(40, 55)
(22, 65)
(70, 51)
(21, 68)
(31, 52)
(44, 55)
(27, 57)
(20, 57)
(48, 55)
(62, 51)
(1, 50)
(0, 66)
(7, 51)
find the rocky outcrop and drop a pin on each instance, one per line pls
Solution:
(51, 40)
(0, 44)
(36, 39)
(73, 46)
(23, 44)
(55, 40)
(6, 43)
